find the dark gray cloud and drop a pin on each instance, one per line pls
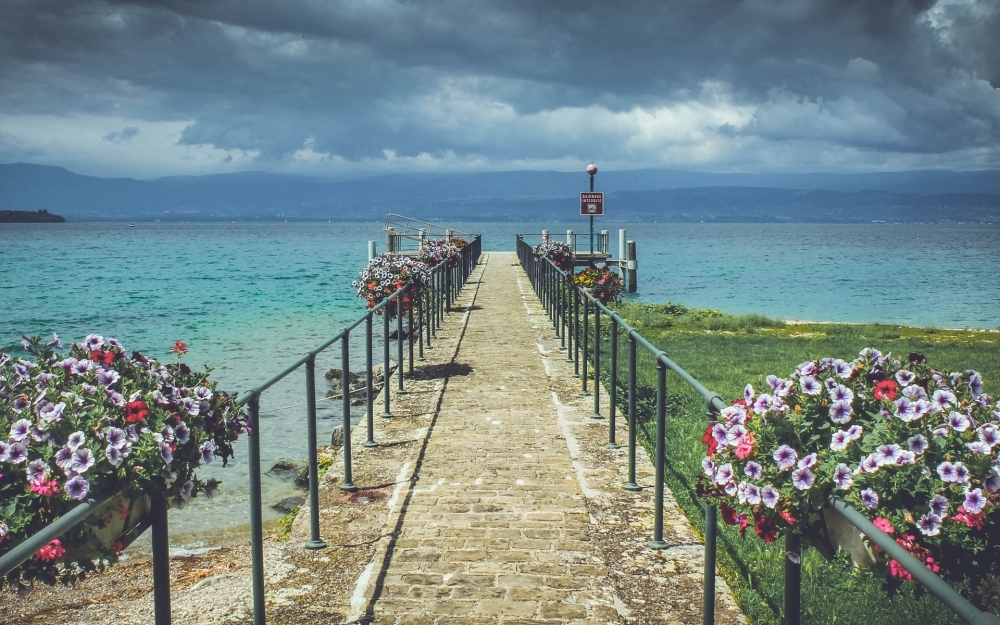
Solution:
(327, 86)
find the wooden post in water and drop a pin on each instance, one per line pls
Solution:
(389, 240)
(423, 237)
(545, 235)
(571, 240)
(632, 286)
(605, 241)
(372, 252)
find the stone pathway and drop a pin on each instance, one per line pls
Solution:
(496, 528)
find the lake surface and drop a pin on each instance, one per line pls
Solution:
(250, 298)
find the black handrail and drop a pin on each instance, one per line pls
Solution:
(547, 278)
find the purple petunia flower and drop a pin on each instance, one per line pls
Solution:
(841, 393)
(182, 433)
(107, 377)
(763, 403)
(785, 456)
(75, 440)
(806, 368)
(723, 474)
(975, 383)
(842, 369)
(720, 434)
(773, 381)
(50, 413)
(82, 367)
(131, 434)
(734, 415)
(979, 447)
(946, 471)
(939, 505)
(914, 392)
(20, 403)
(929, 524)
(869, 464)
(113, 342)
(841, 411)
(959, 422)
(840, 440)
(992, 481)
(64, 458)
(942, 399)
(735, 434)
(904, 377)
(190, 406)
(975, 501)
(93, 342)
(77, 487)
(809, 385)
(905, 410)
(803, 478)
(989, 434)
(888, 454)
(748, 394)
(808, 461)
(842, 476)
(83, 459)
(918, 444)
(961, 473)
(114, 456)
(855, 432)
(4, 451)
(167, 434)
(730, 488)
(708, 466)
(753, 470)
(869, 498)
(116, 437)
(17, 453)
(203, 393)
(770, 496)
(753, 494)
(115, 397)
(37, 470)
(166, 453)
(20, 430)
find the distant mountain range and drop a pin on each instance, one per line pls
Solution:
(642, 195)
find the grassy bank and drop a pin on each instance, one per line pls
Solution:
(725, 352)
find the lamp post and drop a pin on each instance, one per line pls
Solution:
(592, 170)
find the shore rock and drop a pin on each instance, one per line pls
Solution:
(288, 504)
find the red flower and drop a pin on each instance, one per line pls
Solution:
(975, 521)
(729, 516)
(709, 440)
(886, 389)
(103, 357)
(787, 516)
(765, 528)
(136, 411)
(180, 348)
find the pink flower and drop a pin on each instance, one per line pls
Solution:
(51, 551)
(745, 445)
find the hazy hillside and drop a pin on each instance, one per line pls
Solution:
(667, 195)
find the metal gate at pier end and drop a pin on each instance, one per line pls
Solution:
(569, 308)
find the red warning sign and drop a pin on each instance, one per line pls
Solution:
(592, 203)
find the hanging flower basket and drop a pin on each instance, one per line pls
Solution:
(387, 273)
(912, 448)
(561, 254)
(436, 251)
(603, 284)
(94, 421)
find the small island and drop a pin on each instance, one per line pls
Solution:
(27, 217)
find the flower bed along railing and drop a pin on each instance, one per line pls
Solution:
(569, 308)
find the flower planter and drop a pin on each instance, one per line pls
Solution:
(125, 518)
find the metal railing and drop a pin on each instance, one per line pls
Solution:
(432, 305)
(569, 308)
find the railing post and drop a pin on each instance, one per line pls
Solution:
(793, 580)
(571, 317)
(576, 330)
(420, 325)
(613, 390)
(369, 390)
(632, 343)
(386, 376)
(597, 363)
(586, 338)
(409, 323)
(562, 312)
(708, 601)
(161, 558)
(315, 542)
(661, 409)
(399, 342)
(256, 521)
(345, 371)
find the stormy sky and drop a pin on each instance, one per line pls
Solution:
(335, 88)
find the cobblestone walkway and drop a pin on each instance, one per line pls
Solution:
(496, 527)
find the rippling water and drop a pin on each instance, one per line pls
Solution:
(250, 298)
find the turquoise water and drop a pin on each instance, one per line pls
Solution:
(249, 298)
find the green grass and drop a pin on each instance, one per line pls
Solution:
(725, 352)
